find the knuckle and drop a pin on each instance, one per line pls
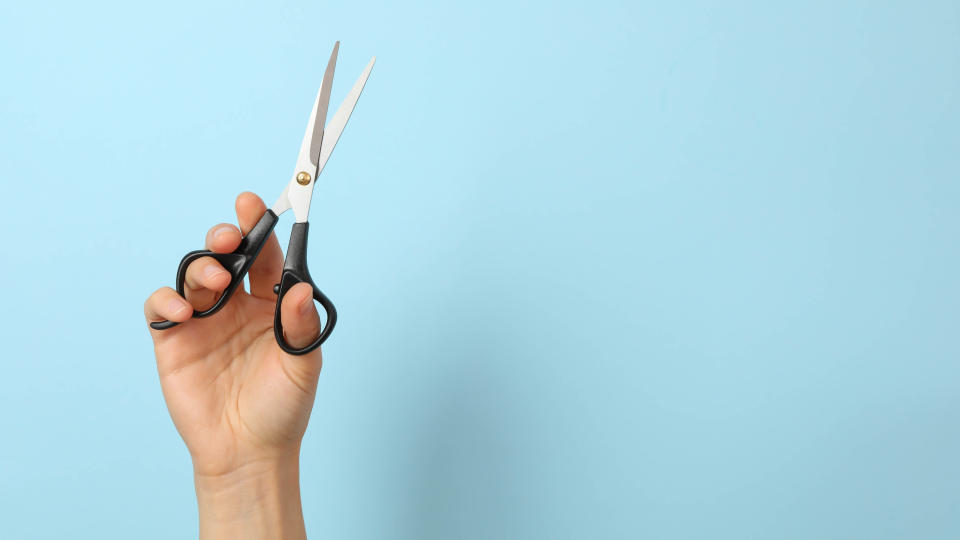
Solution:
(198, 264)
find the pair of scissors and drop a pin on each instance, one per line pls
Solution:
(318, 143)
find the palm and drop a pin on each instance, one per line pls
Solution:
(233, 394)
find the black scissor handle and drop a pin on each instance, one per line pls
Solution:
(295, 271)
(237, 263)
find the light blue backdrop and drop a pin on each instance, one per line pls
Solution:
(604, 269)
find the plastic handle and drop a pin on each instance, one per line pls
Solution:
(237, 263)
(295, 271)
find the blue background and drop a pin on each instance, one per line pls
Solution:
(604, 270)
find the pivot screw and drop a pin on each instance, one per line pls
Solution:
(303, 178)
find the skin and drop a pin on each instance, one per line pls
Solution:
(240, 403)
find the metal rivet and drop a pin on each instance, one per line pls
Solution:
(303, 178)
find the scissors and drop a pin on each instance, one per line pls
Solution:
(315, 150)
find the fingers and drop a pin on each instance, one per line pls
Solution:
(166, 304)
(206, 277)
(298, 314)
(223, 238)
(204, 281)
(265, 272)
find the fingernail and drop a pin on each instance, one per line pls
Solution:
(211, 270)
(220, 230)
(176, 305)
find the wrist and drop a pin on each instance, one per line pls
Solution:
(258, 500)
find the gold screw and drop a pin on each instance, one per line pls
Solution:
(303, 178)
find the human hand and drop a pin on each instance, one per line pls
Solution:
(240, 403)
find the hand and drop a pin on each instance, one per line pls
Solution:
(240, 403)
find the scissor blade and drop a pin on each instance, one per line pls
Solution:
(323, 102)
(340, 118)
(313, 137)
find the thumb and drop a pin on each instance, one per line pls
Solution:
(299, 317)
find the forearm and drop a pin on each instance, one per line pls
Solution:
(260, 501)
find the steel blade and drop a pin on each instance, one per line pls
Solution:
(339, 121)
(323, 103)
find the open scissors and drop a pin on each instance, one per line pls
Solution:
(315, 150)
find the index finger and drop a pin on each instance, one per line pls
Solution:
(265, 271)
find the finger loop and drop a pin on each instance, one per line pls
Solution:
(287, 281)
